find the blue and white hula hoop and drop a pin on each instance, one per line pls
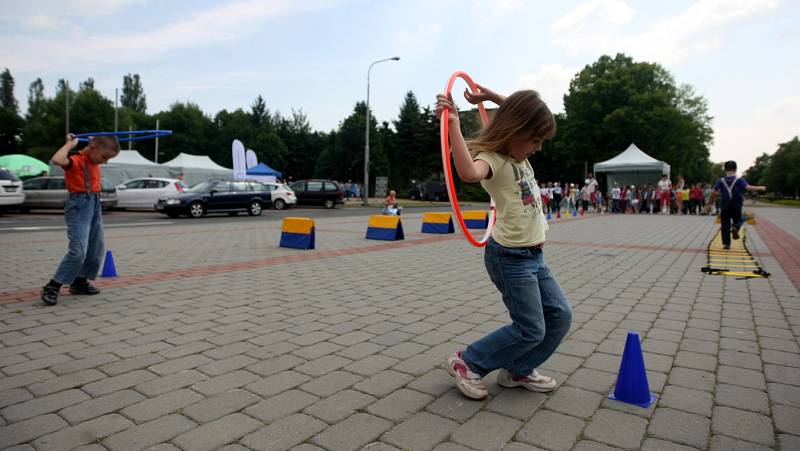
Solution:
(132, 135)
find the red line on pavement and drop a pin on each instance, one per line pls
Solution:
(784, 247)
(199, 271)
(303, 256)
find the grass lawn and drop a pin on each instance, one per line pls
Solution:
(786, 202)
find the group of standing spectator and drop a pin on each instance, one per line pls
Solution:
(572, 196)
(663, 197)
(351, 190)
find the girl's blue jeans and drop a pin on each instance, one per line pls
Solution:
(84, 218)
(539, 310)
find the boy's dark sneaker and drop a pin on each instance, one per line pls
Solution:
(50, 295)
(735, 233)
(83, 288)
(726, 246)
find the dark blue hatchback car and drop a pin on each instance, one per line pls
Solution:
(225, 196)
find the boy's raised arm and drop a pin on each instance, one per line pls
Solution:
(61, 157)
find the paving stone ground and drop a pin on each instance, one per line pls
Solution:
(214, 338)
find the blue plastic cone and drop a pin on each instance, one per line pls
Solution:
(549, 216)
(574, 213)
(632, 386)
(108, 266)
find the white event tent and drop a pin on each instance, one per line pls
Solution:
(631, 167)
(197, 168)
(130, 164)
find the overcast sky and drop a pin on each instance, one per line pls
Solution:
(314, 54)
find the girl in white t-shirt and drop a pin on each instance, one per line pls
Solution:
(664, 188)
(539, 310)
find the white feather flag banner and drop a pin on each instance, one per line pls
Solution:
(252, 159)
(239, 161)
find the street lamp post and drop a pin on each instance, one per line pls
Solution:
(366, 145)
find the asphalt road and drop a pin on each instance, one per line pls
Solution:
(49, 220)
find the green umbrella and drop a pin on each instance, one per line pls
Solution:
(23, 165)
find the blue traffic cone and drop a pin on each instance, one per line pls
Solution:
(574, 213)
(549, 216)
(632, 386)
(108, 266)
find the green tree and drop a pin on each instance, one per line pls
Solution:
(303, 145)
(755, 173)
(717, 171)
(90, 111)
(617, 101)
(193, 131)
(133, 94)
(45, 120)
(326, 161)
(230, 125)
(406, 149)
(388, 137)
(11, 124)
(259, 112)
(7, 99)
(36, 122)
(783, 174)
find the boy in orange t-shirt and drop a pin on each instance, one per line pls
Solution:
(83, 215)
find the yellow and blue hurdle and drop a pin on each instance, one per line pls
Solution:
(437, 223)
(298, 233)
(384, 227)
(476, 219)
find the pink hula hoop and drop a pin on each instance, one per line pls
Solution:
(448, 169)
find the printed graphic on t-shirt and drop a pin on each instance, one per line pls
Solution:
(528, 189)
(526, 194)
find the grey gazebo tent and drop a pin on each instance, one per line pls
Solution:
(631, 167)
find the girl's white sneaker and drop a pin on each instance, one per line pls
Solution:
(533, 382)
(470, 384)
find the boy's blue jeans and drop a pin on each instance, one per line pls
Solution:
(539, 310)
(84, 217)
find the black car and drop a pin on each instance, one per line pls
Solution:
(231, 196)
(318, 192)
(434, 191)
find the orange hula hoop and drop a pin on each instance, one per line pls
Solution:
(448, 169)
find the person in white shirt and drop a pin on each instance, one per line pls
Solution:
(664, 186)
(557, 195)
(616, 193)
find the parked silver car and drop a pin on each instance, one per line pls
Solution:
(51, 192)
(11, 194)
(145, 192)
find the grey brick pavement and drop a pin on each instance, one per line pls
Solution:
(346, 352)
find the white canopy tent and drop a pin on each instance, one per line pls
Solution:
(131, 157)
(631, 167)
(197, 168)
(130, 164)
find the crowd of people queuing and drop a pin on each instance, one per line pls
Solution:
(663, 197)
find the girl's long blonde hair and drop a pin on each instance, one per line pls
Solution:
(523, 115)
